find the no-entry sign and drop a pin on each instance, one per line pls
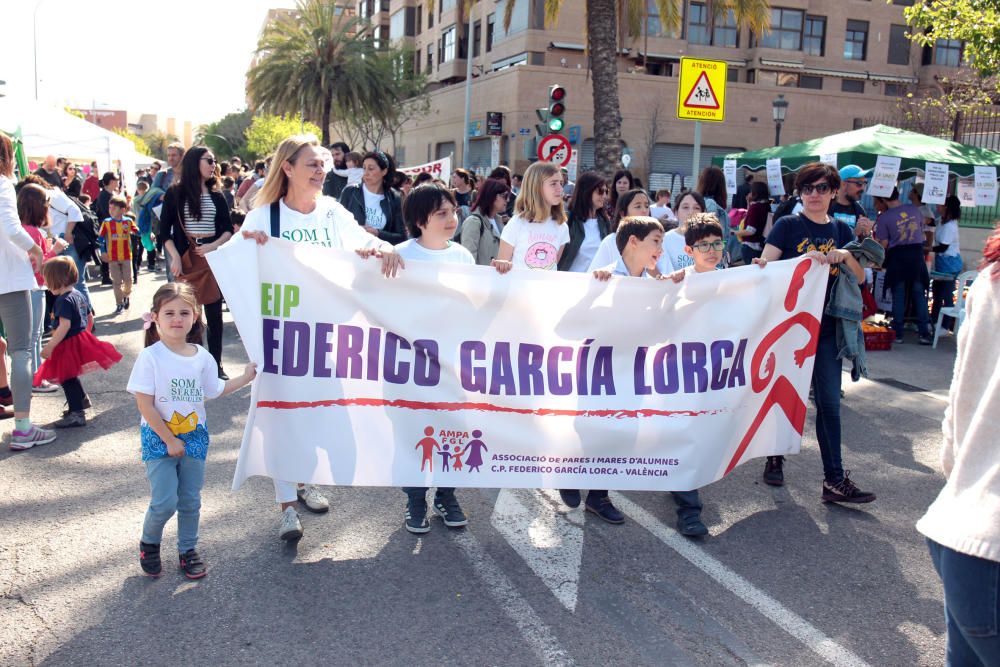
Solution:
(701, 91)
(555, 148)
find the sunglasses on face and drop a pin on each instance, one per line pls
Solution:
(859, 184)
(821, 188)
(210, 160)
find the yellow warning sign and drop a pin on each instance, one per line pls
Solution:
(701, 91)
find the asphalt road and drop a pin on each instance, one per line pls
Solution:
(782, 580)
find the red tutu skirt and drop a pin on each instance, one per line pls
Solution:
(77, 356)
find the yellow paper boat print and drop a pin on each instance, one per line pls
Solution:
(179, 424)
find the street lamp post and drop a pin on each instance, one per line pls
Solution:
(779, 107)
(34, 42)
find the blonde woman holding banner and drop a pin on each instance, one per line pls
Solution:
(290, 205)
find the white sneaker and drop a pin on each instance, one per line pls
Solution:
(291, 528)
(314, 501)
(44, 387)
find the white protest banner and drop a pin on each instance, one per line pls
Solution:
(438, 169)
(884, 176)
(935, 183)
(456, 376)
(986, 186)
(829, 158)
(729, 170)
(774, 181)
(966, 192)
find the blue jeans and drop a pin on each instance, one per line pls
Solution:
(688, 503)
(971, 606)
(37, 311)
(919, 296)
(827, 375)
(81, 267)
(749, 254)
(175, 485)
(420, 492)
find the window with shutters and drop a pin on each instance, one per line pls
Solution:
(852, 86)
(814, 37)
(856, 40)
(786, 30)
(899, 45)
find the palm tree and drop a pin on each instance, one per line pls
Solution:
(316, 62)
(603, 48)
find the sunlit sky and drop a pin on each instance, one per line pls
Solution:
(185, 58)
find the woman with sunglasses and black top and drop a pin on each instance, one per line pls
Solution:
(815, 234)
(373, 202)
(194, 208)
(588, 223)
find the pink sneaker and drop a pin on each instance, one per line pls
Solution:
(21, 440)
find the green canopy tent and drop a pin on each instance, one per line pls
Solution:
(20, 161)
(862, 147)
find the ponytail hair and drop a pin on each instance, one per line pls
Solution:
(167, 293)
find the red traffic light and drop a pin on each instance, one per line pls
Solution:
(557, 109)
(557, 93)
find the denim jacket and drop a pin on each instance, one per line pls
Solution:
(845, 305)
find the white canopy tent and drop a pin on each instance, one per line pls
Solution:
(47, 130)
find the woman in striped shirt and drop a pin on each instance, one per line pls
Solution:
(196, 217)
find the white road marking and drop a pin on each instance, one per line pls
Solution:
(770, 608)
(548, 536)
(536, 633)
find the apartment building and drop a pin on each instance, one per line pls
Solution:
(837, 62)
(142, 123)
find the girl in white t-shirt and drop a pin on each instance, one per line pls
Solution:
(535, 236)
(429, 212)
(674, 244)
(171, 379)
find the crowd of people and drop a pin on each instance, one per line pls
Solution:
(54, 223)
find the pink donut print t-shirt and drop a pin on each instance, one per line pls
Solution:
(536, 244)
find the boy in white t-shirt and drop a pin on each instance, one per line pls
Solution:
(429, 212)
(534, 238)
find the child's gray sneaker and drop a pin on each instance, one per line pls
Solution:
(71, 419)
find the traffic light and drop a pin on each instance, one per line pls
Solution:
(542, 126)
(550, 118)
(557, 108)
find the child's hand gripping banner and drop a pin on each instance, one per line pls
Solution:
(456, 376)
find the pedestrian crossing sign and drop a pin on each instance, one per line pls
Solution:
(701, 91)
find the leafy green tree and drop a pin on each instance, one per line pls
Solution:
(603, 47)
(227, 136)
(406, 99)
(266, 132)
(315, 62)
(140, 144)
(158, 142)
(974, 22)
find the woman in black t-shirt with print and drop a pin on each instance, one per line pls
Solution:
(815, 234)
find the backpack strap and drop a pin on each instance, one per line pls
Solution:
(275, 220)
